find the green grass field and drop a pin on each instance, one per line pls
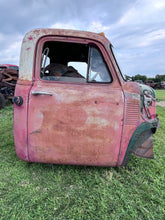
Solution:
(160, 95)
(45, 191)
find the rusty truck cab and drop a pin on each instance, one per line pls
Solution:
(72, 105)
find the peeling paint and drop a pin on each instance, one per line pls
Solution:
(30, 38)
(75, 126)
(79, 123)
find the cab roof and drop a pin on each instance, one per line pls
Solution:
(30, 40)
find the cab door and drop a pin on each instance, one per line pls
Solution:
(74, 119)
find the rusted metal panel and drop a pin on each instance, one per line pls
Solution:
(8, 77)
(20, 122)
(78, 124)
(131, 116)
(8, 80)
(145, 150)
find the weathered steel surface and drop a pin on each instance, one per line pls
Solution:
(8, 80)
(145, 150)
(78, 124)
(20, 122)
(8, 77)
(131, 117)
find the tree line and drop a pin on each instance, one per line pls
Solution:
(156, 79)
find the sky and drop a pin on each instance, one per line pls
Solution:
(136, 28)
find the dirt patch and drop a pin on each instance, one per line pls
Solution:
(162, 103)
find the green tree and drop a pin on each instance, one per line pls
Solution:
(159, 78)
(139, 77)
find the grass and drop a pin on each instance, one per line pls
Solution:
(45, 191)
(160, 95)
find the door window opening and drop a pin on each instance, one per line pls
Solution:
(71, 62)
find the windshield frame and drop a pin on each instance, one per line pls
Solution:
(113, 54)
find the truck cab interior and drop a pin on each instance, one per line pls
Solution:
(73, 62)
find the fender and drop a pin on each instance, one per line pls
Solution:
(141, 141)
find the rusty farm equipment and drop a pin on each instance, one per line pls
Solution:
(8, 80)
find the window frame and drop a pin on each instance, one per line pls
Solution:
(116, 63)
(91, 43)
(89, 63)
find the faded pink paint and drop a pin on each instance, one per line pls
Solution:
(30, 38)
(20, 122)
(73, 124)
(80, 123)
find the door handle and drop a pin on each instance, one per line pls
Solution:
(41, 93)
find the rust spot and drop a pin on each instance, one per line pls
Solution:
(145, 150)
(36, 132)
(75, 129)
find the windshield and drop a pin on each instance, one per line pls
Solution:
(116, 54)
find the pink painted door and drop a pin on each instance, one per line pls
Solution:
(73, 117)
